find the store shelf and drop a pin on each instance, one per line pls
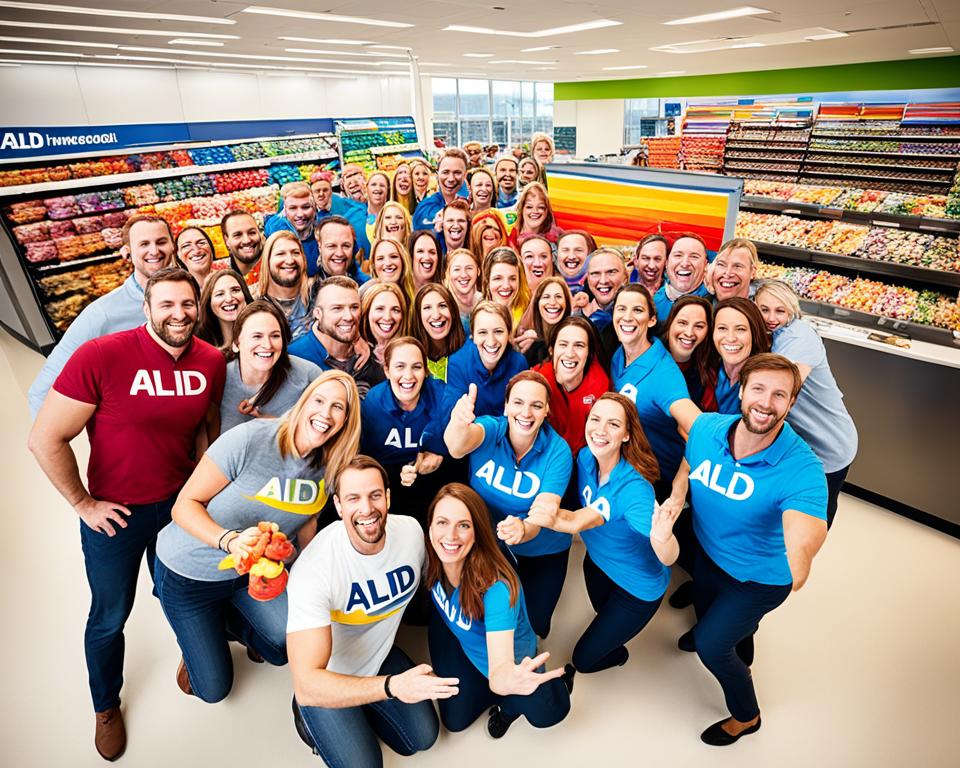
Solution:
(762, 159)
(919, 223)
(53, 267)
(909, 138)
(395, 149)
(933, 277)
(865, 153)
(930, 333)
(890, 166)
(793, 172)
(887, 179)
(734, 144)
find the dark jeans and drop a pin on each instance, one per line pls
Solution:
(205, 615)
(728, 614)
(620, 617)
(347, 737)
(546, 706)
(542, 578)
(682, 528)
(834, 484)
(113, 564)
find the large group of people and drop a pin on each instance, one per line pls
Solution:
(430, 387)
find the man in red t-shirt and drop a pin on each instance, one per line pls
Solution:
(148, 398)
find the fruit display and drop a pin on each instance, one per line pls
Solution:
(702, 153)
(67, 293)
(864, 200)
(776, 190)
(918, 249)
(362, 141)
(263, 561)
(663, 152)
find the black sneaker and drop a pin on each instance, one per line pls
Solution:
(301, 726)
(715, 736)
(498, 723)
(569, 671)
(682, 596)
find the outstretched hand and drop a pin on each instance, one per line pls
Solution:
(526, 679)
(664, 517)
(420, 684)
(464, 410)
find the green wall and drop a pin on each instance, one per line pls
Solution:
(936, 72)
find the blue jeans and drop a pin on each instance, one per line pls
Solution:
(546, 706)
(112, 564)
(205, 615)
(620, 617)
(347, 737)
(728, 615)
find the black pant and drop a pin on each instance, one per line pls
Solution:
(620, 617)
(834, 484)
(728, 614)
(416, 499)
(542, 578)
(546, 706)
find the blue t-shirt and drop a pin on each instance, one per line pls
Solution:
(430, 206)
(727, 393)
(392, 435)
(498, 616)
(664, 303)
(509, 487)
(308, 347)
(621, 546)
(464, 368)
(654, 383)
(311, 249)
(356, 214)
(819, 415)
(738, 506)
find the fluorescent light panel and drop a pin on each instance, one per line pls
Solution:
(324, 41)
(733, 13)
(114, 30)
(628, 66)
(671, 73)
(48, 41)
(479, 55)
(250, 56)
(346, 53)
(324, 17)
(538, 48)
(520, 61)
(585, 26)
(42, 53)
(188, 41)
(938, 49)
(596, 52)
(83, 11)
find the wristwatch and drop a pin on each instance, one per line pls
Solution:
(386, 687)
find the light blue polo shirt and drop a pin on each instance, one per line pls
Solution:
(664, 303)
(621, 546)
(738, 506)
(509, 488)
(819, 415)
(727, 393)
(498, 616)
(654, 383)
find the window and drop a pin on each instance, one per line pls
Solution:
(641, 118)
(445, 110)
(506, 110)
(474, 100)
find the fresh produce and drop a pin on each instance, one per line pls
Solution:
(264, 563)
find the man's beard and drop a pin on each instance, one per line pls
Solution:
(286, 282)
(170, 337)
(235, 253)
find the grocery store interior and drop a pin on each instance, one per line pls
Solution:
(835, 132)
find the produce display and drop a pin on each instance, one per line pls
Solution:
(377, 144)
(67, 293)
(663, 152)
(856, 199)
(701, 153)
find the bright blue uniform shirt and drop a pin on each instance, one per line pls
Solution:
(621, 546)
(498, 616)
(664, 303)
(311, 248)
(654, 383)
(727, 393)
(392, 435)
(308, 347)
(464, 367)
(430, 206)
(738, 506)
(509, 487)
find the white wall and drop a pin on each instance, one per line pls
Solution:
(599, 124)
(53, 95)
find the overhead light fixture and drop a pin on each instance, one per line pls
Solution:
(250, 56)
(671, 73)
(374, 54)
(324, 17)
(252, 67)
(938, 49)
(587, 25)
(8, 64)
(748, 45)
(114, 30)
(80, 10)
(479, 55)
(628, 66)
(789, 37)
(538, 48)
(596, 52)
(733, 13)
(393, 47)
(42, 53)
(325, 41)
(48, 41)
(188, 41)
(832, 35)
(520, 61)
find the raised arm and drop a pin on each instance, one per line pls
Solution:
(462, 435)
(684, 411)
(508, 678)
(803, 536)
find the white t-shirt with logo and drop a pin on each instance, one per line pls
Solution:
(362, 597)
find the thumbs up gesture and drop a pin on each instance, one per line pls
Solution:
(463, 411)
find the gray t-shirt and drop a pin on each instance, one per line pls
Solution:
(263, 486)
(301, 373)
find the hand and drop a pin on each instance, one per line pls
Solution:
(438, 221)
(590, 307)
(664, 516)
(362, 350)
(101, 516)
(244, 543)
(420, 684)
(525, 678)
(524, 341)
(425, 464)
(543, 515)
(580, 300)
(511, 531)
(249, 408)
(464, 409)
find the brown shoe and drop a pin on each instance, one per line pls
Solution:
(183, 678)
(111, 737)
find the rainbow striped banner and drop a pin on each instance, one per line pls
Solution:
(620, 205)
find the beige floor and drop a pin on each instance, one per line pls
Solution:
(861, 668)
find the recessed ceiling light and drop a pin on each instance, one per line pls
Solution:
(748, 45)
(938, 49)
(538, 48)
(733, 13)
(827, 36)
(188, 41)
(42, 53)
(48, 41)
(671, 73)
(325, 41)
(80, 10)
(596, 52)
(629, 66)
(520, 61)
(114, 30)
(324, 17)
(250, 56)
(479, 55)
(587, 25)
(374, 54)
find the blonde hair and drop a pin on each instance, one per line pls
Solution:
(366, 301)
(782, 293)
(742, 242)
(406, 268)
(263, 284)
(407, 225)
(295, 189)
(332, 456)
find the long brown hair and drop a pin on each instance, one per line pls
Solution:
(521, 300)
(409, 200)
(759, 339)
(406, 270)
(636, 451)
(483, 566)
(488, 219)
(456, 336)
(536, 320)
(534, 187)
(281, 368)
(208, 328)
(704, 358)
(366, 302)
(263, 285)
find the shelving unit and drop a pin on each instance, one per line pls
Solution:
(766, 149)
(376, 144)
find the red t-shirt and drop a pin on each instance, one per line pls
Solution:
(569, 410)
(149, 406)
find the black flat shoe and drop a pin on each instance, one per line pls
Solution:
(569, 671)
(682, 596)
(498, 723)
(301, 726)
(686, 642)
(715, 736)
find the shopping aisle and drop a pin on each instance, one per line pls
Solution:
(859, 669)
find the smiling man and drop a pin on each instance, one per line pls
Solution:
(450, 175)
(242, 237)
(606, 272)
(686, 267)
(299, 215)
(346, 596)
(455, 225)
(732, 272)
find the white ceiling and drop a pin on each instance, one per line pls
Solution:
(910, 24)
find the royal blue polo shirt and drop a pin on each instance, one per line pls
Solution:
(738, 506)
(509, 487)
(392, 435)
(664, 303)
(308, 347)
(727, 393)
(464, 367)
(621, 546)
(431, 205)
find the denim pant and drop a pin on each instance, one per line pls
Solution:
(728, 614)
(546, 706)
(542, 578)
(347, 737)
(112, 564)
(205, 615)
(620, 617)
